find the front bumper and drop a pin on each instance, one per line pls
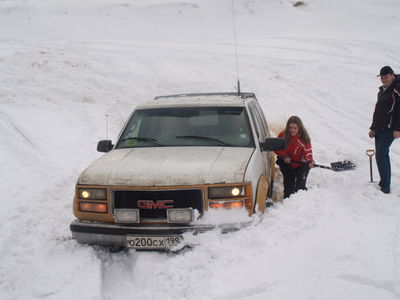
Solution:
(108, 234)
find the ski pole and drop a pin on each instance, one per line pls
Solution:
(370, 153)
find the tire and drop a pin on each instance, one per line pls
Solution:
(270, 189)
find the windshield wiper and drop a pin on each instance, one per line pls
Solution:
(142, 139)
(204, 138)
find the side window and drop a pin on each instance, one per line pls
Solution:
(257, 128)
(260, 130)
(263, 119)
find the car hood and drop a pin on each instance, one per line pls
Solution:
(161, 166)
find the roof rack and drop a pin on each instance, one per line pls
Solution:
(241, 95)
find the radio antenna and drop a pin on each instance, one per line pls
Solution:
(106, 115)
(236, 47)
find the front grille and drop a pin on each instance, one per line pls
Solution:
(181, 199)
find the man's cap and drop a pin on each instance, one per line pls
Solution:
(385, 71)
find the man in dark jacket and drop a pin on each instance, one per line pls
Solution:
(386, 123)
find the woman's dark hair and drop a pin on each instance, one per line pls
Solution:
(302, 131)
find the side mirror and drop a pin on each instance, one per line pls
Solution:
(273, 144)
(104, 146)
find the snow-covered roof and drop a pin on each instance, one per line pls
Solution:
(199, 99)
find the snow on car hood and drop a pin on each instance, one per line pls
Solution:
(162, 166)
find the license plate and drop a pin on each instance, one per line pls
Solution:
(152, 242)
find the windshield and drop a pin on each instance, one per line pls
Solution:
(188, 126)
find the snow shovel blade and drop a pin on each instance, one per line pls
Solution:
(342, 165)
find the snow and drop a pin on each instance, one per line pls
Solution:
(158, 166)
(65, 64)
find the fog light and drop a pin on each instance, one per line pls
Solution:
(93, 207)
(126, 215)
(216, 205)
(226, 204)
(180, 215)
(233, 204)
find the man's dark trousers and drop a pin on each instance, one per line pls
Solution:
(383, 140)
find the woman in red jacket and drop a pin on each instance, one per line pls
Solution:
(298, 149)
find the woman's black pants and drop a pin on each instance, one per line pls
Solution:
(293, 179)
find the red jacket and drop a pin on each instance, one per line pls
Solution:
(296, 149)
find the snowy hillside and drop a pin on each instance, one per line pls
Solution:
(66, 64)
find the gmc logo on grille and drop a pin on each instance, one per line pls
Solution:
(159, 204)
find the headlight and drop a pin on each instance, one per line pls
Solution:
(225, 192)
(92, 194)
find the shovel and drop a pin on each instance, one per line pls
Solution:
(370, 153)
(337, 166)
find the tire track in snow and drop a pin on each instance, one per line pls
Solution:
(385, 285)
(116, 271)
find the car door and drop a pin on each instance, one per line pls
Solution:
(262, 132)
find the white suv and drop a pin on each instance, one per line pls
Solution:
(177, 159)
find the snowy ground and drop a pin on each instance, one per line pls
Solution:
(65, 64)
